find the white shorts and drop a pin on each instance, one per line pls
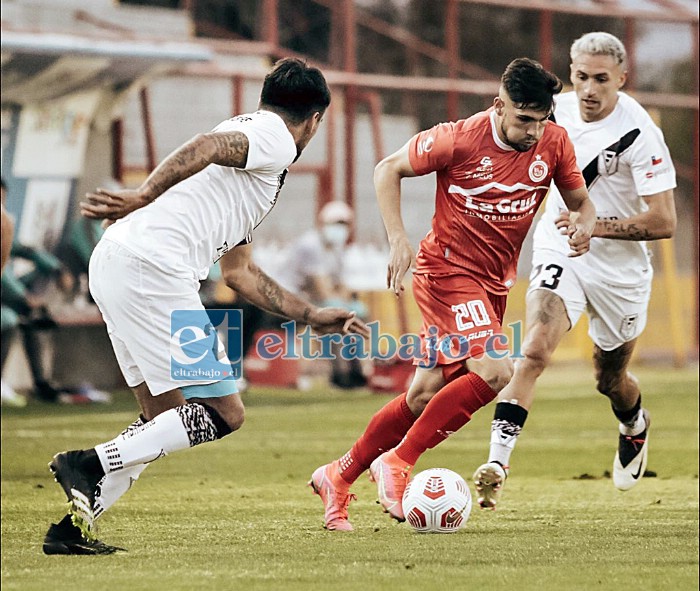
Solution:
(617, 313)
(136, 300)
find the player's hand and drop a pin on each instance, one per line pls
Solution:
(112, 205)
(337, 320)
(569, 224)
(401, 259)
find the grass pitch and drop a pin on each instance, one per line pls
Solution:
(236, 514)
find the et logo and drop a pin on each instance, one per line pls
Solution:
(206, 344)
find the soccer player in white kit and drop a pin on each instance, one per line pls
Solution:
(199, 206)
(630, 178)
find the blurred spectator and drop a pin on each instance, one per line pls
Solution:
(9, 396)
(8, 228)
(27, 313)
(74, 252)
(314, 267)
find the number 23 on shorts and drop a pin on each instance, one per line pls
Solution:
(550, 275)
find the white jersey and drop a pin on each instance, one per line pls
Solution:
(193, 224)
(622, 157)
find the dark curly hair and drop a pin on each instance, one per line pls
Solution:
(529, 85)
(296, 89)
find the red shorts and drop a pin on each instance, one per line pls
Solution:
(461, 320)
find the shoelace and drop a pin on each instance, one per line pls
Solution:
(403, 473)
(341, 505)
(635, 442)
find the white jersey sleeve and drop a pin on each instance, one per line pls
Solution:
(650, 163)
(263, 143)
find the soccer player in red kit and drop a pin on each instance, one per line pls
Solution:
(492, 170)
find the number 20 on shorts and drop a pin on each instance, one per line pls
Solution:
(470, 314)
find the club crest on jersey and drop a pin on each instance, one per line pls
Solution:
(608, 161)
(538, 169)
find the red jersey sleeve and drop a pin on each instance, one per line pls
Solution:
(432, 149)
(567, 175)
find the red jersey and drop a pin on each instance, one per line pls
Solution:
(487, 195)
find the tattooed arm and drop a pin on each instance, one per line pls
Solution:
(224, 148)
(241, 274)
(659, 221)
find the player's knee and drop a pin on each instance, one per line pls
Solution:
(607, 383)
(501, 378)
(424, 386)
(233, 413)
(497, 375)
(225, 409)
(417, 399)
(226, 415)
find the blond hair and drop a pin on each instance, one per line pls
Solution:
(600, 43)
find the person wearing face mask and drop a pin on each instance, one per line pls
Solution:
(314, 268)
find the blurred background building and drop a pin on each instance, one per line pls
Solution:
(100, 91)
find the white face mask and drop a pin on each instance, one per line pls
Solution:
(335, 234)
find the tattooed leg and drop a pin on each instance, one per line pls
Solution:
(547, 322)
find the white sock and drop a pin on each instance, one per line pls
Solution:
(114, 485)
(637, 427)
(504, 435)
(508, 421)
(173, 430)
(501, 447)
(126, 456)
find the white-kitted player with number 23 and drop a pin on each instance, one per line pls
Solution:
(630, 179)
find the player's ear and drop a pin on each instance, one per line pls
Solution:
(498, 105)
(623, 78)
(314, 121)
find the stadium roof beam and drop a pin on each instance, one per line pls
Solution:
(676, 13)
(670, 4)
(62, 44)
(45, 66)
(412, 41)
(423, 84)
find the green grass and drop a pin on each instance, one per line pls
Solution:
(237, 514)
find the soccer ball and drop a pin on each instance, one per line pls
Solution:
(437, 501)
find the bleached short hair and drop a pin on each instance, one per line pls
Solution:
(600, 43)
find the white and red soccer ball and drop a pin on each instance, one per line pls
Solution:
(437, 501)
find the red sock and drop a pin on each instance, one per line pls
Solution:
(448, 411)
(387, 427)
